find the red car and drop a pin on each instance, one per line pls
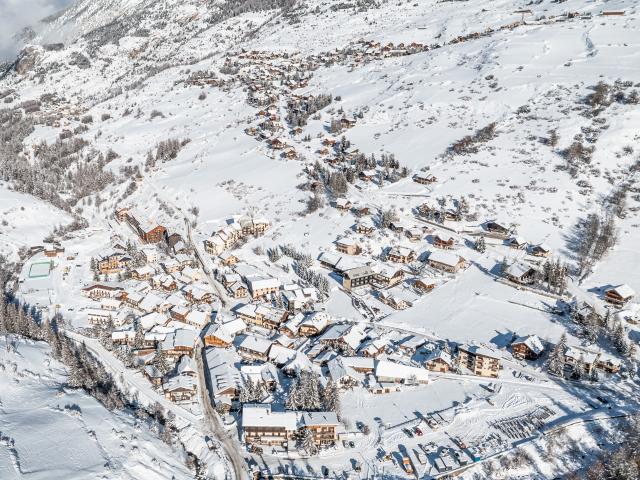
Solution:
(417, 431)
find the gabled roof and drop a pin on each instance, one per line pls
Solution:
(532, 342)
(439, 355)
(624, 290)
(447, 258)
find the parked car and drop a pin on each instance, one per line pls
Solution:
(325, 472)
(417, 431)
(352, 444)
(209, 442)
(408, 433)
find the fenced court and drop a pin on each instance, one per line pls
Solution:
(40, 270)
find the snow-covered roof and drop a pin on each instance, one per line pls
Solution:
(255, 344)
(260, 283)
(319, 418)
(180, 338)
(339, 371)
(151, 319)
(260, 415)
(280, 354)
(446, 258)
(480, 350)
(186, 365)
(222, 371)
(532, 342)
(518, 269)
(439, 355)
(319, 320)
(386, 369)
(624, 290)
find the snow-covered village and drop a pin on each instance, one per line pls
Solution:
(305, 239)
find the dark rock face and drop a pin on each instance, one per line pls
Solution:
(27, 60)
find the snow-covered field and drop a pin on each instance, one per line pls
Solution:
(49, 431)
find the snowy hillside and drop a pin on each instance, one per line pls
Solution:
(501, 133)
(40, 417)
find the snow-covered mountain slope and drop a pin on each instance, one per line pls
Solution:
(48, 431)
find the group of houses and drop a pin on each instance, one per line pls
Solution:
(234, 230)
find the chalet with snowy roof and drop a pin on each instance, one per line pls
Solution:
(227, 259)
(439, 361)
(197, 319)
(230, 279)
(143, 273)
(123, 336)
(262, 315)
(608, 363)
(445, 242)
(527, 348)
(281, 355)
(348, 246)
(150, 253)
(372, 347)
(368, 175)
(365, 226)
(153, 374)
(98, 316)
(148, 230)
(343, 375)
(401, 255)
(424, 284)
(619, 295)
(179, 312)
(424, 178)
(517, 242)
(52, 251)
(330, 261)
(113, 262)
(541, 250)
(411, 344)
(180, 389)
(252, 347)
(216, 336)
(446, 261)
(575, 354)
(521, 273)
(480, 360)
(262, 426)
(238, 290)
(121, 214)
(314, 324)
(223, 378)
(393, 301)
(197, 295)
(343, 337)
(97, 291)
(215, 245)
(386, 276)
(343, 204)
(391, 372)
(190, 274)
(262, 287)
(186, 366)
(322, 425)
(497, 226)
(414, 234)
(180, 342)
(291, 327)
(357, 277)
